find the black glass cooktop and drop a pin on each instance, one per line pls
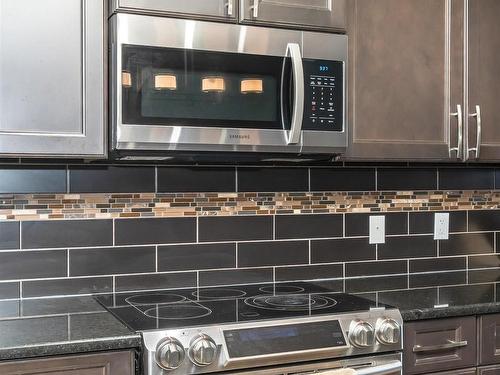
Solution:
(175, 308)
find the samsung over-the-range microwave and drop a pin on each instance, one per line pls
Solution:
(194, 88)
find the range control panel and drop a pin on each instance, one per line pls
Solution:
(324, 91)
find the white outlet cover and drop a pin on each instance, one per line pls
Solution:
(441, 225)
(377, 229)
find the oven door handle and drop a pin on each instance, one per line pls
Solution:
(389, 368)
(293, 51)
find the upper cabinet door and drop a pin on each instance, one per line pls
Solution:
(52, 64)
(210, 9)
(405, 79)
(310, 14)
(484, 81)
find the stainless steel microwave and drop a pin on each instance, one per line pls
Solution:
(204, 87)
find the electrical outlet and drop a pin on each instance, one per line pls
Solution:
(377, 229)
(441, 225)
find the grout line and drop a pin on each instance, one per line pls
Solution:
(21, 290)
(67, 263)
(309, 179)
(197, 229)
(114, 284)
(114, 232)
(156, 258)
(236, 254)
(310, 257)
(437, 178)
(274, 227)
(376, 179)
(20, 236)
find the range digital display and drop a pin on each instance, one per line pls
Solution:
(286, 338)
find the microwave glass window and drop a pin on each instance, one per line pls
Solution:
(200, 88)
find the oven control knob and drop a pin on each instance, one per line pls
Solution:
(169, 353)
(202, 350)
(361, 334)
(388, 331)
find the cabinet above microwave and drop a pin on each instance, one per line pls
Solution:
(325, 15)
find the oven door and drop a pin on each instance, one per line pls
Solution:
(184, 85)
(377, 365)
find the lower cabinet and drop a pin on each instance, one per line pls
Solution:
(490, 370)
(469, 371)
(489, 343)
(454, 346)
(108, 363)
(438, 345)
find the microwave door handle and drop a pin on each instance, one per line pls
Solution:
(293, 51)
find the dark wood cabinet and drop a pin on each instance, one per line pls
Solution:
(483, 79)
(489, 339)
(469, 371)
(439, 345)
(490, 370)
(415, 70)
(406, 78)
(112, 363)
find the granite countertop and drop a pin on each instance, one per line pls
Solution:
(442, 301)
(53, 326)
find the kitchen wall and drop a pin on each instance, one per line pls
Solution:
(82, 229)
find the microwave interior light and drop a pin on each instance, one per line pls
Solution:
(252, 86)
(213, 84)
(165, 82)
(126, 79)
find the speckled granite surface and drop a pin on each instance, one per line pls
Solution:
(54, 326)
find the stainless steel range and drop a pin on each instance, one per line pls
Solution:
(270, 329)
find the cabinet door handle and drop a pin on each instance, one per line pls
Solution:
(477, 149)
(460, 130)
(230, 7)
(255, 9)
(432, 348)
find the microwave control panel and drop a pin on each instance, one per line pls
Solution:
(324, 95)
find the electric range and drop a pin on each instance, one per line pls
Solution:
(268, 329)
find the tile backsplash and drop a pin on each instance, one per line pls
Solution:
(69, 230)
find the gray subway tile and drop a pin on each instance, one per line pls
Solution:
(111, 179)
(109, 261)
(66, 233)
(196, 256)
(155, 231)
(309, 226)
(15, 265)
(65, 287)
(235, 228)
(276, 253)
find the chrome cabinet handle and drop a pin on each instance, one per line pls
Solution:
(386, 368)
(293, 51)
(230, 7)
(460, 138)
(449, 345)
(255, 9)
(477, 149)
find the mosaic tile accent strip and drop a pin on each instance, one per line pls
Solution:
(105, 205)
